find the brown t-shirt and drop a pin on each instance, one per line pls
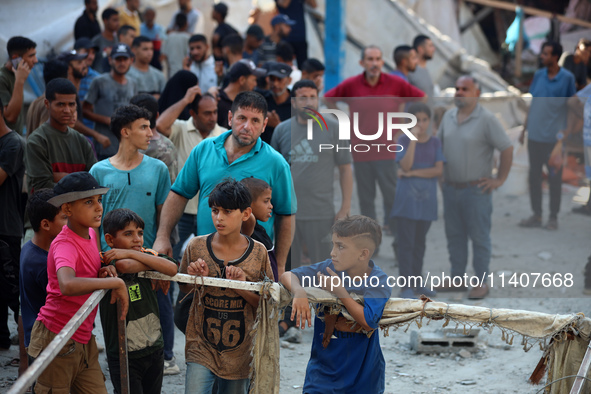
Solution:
(219, 329)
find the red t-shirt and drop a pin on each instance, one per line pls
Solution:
(358, 92)
(68, 249)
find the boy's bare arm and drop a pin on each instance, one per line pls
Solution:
(130, 261)
(71, 285)
(236, 273)
(300, 306)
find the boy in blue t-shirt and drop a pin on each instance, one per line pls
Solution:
(346, 356)
(47, 222)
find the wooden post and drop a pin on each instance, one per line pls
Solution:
(123, 365)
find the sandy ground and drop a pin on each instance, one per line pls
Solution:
(494, 367)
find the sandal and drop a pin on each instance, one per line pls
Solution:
(532, 221)
(15, 362)
(552, 224)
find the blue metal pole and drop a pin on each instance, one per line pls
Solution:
(334, 42)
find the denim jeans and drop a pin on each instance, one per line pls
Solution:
(167, 323)
(145, 373)
(200, 380)
(187, 226)
(467, 213)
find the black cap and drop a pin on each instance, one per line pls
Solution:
(71, 55)
(121, 50)
(76, 186)
(280, 70)
(244, 68)
(255, 31)
(85, 43)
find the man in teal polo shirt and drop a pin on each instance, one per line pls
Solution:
(238, 153)
(550, 88)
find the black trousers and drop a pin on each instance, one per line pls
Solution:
(539, 154)
(10, 252)
(145, 373)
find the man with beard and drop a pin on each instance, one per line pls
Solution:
(191, 14)
(87, 25)
(470, 134)
(278, 97)
(107, 93)
(376, 166)
(147, 78)
(406, 61)
(242, 77)
(200, 64)
(420, 77)
(237, 153)
(313, 171)
(85, 46)
(77, 70)
(187, 134)
(281, 25)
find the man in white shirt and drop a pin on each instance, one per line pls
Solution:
(200, 64)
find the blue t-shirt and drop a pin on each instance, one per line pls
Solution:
(547, 112)
(141, 190)
(399, 74)
(352, 362)
(33, 284)
(208, 165)
(416, 198)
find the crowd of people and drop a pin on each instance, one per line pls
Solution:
(146, 135)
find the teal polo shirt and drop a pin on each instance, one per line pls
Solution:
(547, 112)
(208, 165)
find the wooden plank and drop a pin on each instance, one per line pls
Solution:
(531, 11)
(480, 15)
(49, 353)
(123, 364)
(216, 282)
(579, 381)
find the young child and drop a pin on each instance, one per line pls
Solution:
(73, 266)
(124, 233)
(221, 319)
(140, 183)
(415, 201)
(345, 358)
(47, 221)
(262, 209)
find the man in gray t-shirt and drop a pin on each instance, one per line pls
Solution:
(148, 79)
(108, 92)
(313, 162)
(469, 135)
(420, 77)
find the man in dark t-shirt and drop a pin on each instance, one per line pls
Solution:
(219, 13)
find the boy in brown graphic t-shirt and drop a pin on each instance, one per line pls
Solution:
(218, 340)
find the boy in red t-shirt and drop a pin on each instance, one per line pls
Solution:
(74, 272)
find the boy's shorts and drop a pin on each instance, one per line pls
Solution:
(74, 370)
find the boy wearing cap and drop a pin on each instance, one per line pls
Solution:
(281, 25)
(242, 77)
(107, 93)
(73, 273)
(278, 97)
